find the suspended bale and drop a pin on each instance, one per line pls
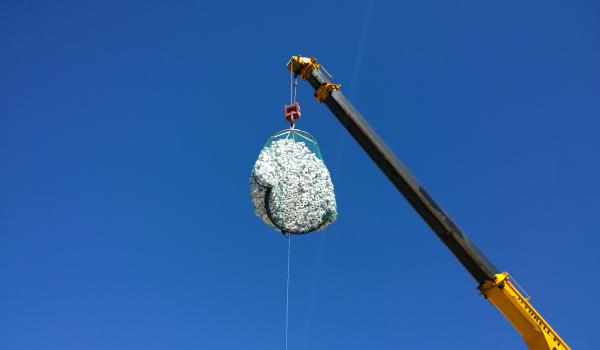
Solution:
(290, 186)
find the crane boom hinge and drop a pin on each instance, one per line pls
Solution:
(325, 89)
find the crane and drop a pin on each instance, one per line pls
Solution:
(495, 286)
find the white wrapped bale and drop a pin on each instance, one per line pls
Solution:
(290, 186)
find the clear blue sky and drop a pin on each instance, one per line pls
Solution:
(128, 130)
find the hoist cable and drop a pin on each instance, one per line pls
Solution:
(295, 88)
(292, 82)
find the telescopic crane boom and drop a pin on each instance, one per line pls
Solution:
(494, 285)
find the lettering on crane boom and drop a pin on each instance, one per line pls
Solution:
(449, 223)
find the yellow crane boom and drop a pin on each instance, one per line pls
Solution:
(494, 285)
(532, 327)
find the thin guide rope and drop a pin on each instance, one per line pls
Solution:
(287, 292)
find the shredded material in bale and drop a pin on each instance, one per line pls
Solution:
(290, 186)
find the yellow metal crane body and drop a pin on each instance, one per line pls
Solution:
(495, 286)
(533, 328)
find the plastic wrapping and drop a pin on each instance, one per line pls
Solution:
(290, 186)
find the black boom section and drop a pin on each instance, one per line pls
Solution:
(452, 236)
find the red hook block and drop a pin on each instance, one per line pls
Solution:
(292, 112)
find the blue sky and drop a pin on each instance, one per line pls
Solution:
(128, 130)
